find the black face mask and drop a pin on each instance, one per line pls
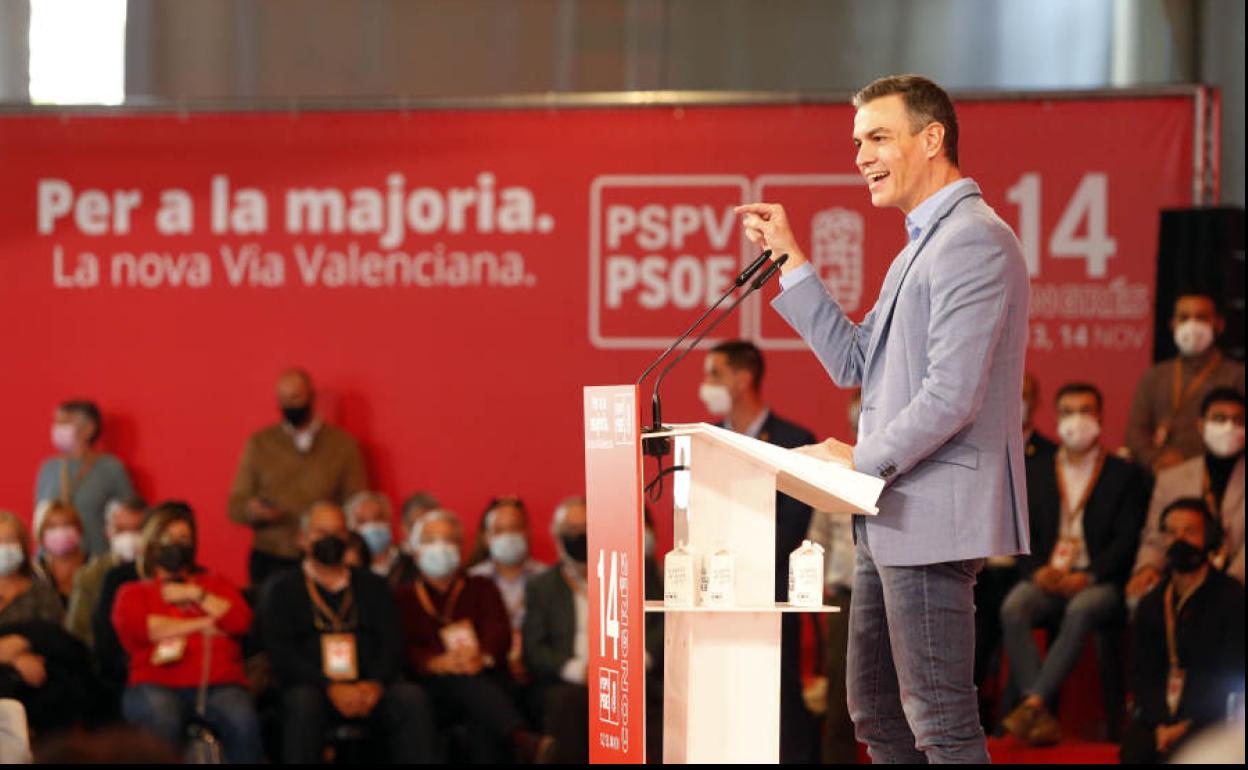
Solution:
(576, 547)
(329, 550)
(175, 557)
(1183, 557)
(297, 416)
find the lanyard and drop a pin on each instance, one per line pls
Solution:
(1172, 647)
(1068, 511)
(443, 617)
(575, 585)
(1179, 394)
(344, 618)
(67, 489)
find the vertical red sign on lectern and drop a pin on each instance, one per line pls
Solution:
(616, 672)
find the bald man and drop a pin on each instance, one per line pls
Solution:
(334, 639)
(284, 469)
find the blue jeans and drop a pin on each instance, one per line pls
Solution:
(911, 660)
(1028, 606)
(228, 710)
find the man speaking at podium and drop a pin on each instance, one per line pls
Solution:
(940, 362)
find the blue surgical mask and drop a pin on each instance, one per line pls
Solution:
(438, 559)
(378, 537)
(509, 548)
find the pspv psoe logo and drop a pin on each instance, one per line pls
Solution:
(609, 696)
(663, 248)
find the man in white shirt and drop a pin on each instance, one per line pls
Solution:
(1087, 508)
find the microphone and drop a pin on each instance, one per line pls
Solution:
(741, 279)
(655, 404)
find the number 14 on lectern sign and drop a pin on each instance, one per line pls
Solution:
(615, 675)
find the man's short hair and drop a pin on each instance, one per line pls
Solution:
(925, 102)
(743, 354)
(1081, 388)
(88, 410)
(133, 503)
(417, 503)
(301, 373)
(1203, 293)
(359, 498)
(1213, 528)
(1221, 396)
(561, 511)
(437, 514)
(503, 501)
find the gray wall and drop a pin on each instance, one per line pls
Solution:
(350, 49)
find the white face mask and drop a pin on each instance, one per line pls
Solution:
(1078, 431)
(125, 545)
(1224, 438)
(10, 558)
(715, 398)
(1193, 337)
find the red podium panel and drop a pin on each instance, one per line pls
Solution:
(616, 673)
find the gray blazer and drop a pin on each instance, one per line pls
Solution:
(940, 362)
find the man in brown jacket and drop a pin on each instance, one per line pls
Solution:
(286, 468)
(1161, 428)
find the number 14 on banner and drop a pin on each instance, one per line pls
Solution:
(1090, 202)
(609, 614)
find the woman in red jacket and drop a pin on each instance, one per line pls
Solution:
(182, 625)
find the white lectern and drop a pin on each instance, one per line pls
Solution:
(721, 699)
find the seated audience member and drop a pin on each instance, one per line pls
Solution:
(58, 536)
(112, 664)
(335, 644)
(181, 628)
(22, 597)
(123, 522)
(505, 544)
(287, 467)
(1217, 477)
(1187, 652)
(556, 641)
(81, 475)
(457, 636)
(1087, 508)
(368, 513)
(1161, 429)
(416, 505)
(41, 665)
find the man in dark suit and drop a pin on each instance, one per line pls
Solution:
(732, 389)
(1087, 508)
(555, 643)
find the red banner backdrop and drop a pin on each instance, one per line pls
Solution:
(452, 278)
